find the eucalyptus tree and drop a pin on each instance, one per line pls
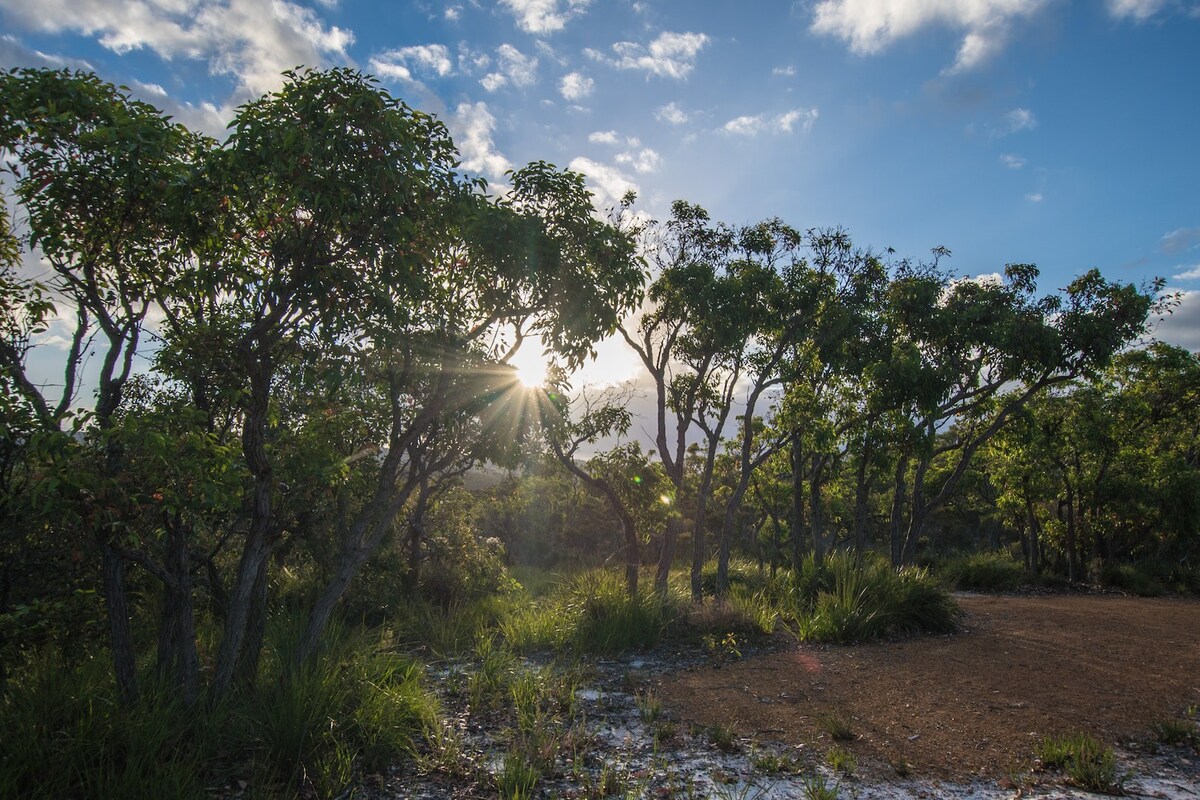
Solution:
(571, 423)
(972, 353)
(683, 254)
(537, 261)
(95, 173)
(317, 213)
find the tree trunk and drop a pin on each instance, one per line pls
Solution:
(862, 489)
(257, 546)
(797, 526)
(666, 556)
(1035, 545)
(120, 634)
(897, 522)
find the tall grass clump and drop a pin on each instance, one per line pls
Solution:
(983, 572)
(592, 613)
(840, 599)
(64, 735)
(1086, 762)
(357, 705)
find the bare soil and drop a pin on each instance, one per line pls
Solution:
(974, 704)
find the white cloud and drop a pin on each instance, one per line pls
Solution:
(1138, 10)
(670, 55)
(399, 64)
(1014, 121)
(603, 137)
(671, 113)
(544, 16)
(1182, 327)
(452, 13)
(608, 183)
(252, 41)
(575, 86)
(1012, 160)
(513, 67)
(870, 26)
(644, 160)
(1179, 240)
(787, 72)
(1034, 197)
(1189, 274)
(472, 127)
(763, 123)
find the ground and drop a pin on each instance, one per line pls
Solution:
(970, 705)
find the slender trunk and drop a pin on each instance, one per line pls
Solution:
(120, 634)
(698, 529)
(178, 662)
(1073, 569)
(1035, 545)
(816, 510)
(666, 555)
(861, 495)
(797, 521)
(257, 546)
(918, 512)
(246, 671)
(897, 521)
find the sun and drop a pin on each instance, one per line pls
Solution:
(531, 367)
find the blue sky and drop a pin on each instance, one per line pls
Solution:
(1048, 131)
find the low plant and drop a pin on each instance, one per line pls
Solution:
(984, 572)
(841, 760)
(837, 727)
(1174, 732)
(723, 737)
(772, 763)
(517, 779)
(816, 787)
(1086, 762)
(649, 706)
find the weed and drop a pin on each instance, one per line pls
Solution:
(1087, 763)
(723, 737)
(817, 788)
(663, 732)
(772, 763)
(517, 779)
(988, 572)
(900, 766)
(841, 760)
(837, 727)
(1169, 730)
(649, 706)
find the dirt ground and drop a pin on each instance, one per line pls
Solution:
(972, 704)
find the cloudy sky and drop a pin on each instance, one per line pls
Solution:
(1059, 132)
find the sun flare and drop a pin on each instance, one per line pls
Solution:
(531, 367)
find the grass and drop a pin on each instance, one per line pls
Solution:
(1085, 761)
(1175, 732)
(983, 572)
(837, 727)
(816, 787)
(840, 600)
(841, 760)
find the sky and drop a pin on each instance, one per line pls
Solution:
(1056, 132)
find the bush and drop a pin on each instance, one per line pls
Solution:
(592, 613)
(984, 572)
(1087, 763)
(1139, 579)
(842, 600)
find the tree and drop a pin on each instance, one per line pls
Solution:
(94, 173)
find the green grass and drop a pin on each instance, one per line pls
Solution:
(1175, 732)
(843, 601)
(841, 760)
(1085, 761)
(983, 572)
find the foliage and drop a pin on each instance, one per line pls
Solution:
(841, 600)
(987, 572)
(1087, 762)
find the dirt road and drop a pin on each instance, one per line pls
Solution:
(975, 703)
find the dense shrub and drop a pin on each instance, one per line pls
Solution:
(984, 572)
(840, 599)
